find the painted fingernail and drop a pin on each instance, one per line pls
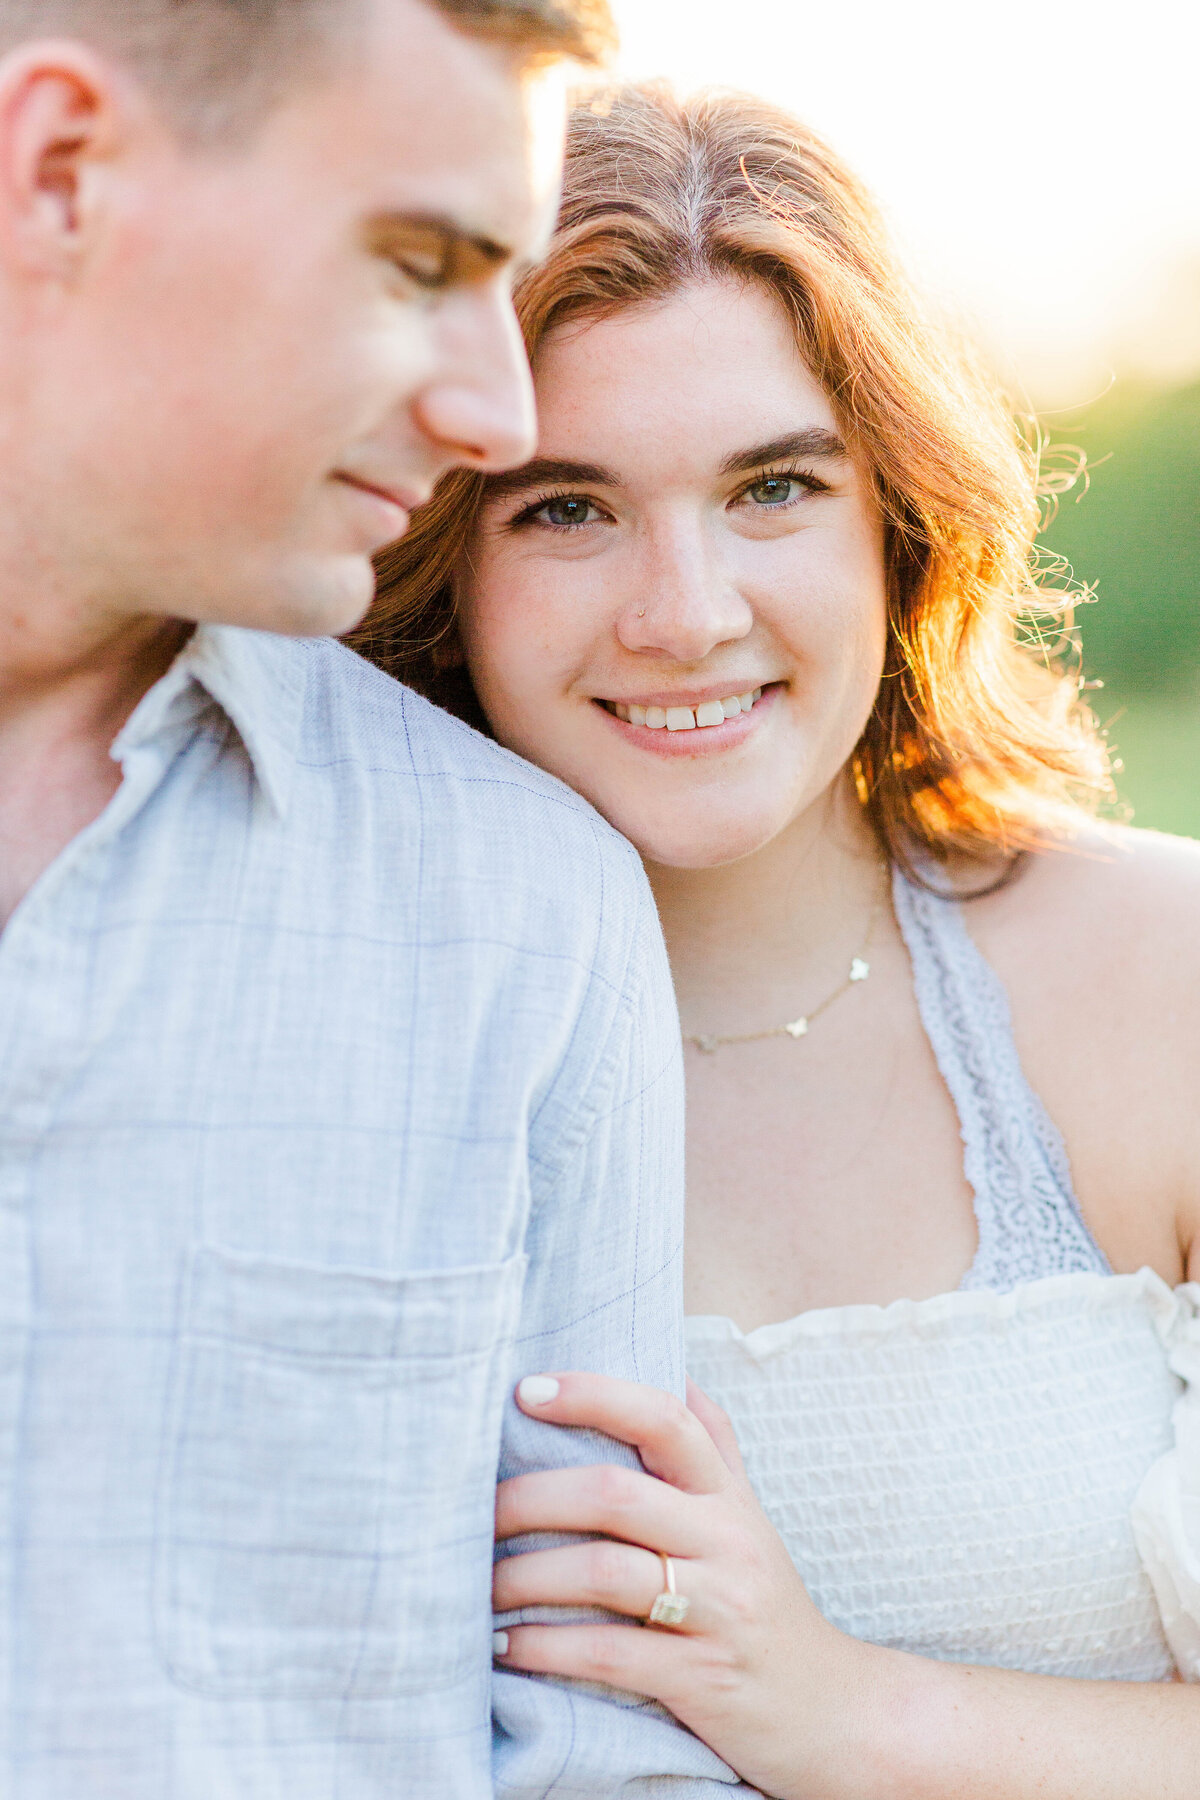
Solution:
(537, 1390)
(499, 1643)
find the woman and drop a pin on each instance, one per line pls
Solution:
(760, 598)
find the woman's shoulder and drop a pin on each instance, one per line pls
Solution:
(1116, 905)
(1124, 867)
(1098, 944)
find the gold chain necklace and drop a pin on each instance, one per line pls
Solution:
(860, 968)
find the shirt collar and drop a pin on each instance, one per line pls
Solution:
(257, 679)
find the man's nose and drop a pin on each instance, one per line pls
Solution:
(478, 407)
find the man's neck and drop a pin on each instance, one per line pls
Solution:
(64, 696)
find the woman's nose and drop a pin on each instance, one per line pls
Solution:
(683, 604)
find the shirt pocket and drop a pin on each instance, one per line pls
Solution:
(325, 1509)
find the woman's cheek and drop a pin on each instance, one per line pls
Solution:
(521, 683)
(505, 641)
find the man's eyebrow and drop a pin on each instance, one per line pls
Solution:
(815, 441)
(548, 471)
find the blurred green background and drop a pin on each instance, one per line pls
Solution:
(1134, 535)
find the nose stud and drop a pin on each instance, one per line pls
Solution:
(641, 612)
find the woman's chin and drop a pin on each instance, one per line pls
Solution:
(697, 844)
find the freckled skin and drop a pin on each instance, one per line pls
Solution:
(824, 1171)
(765, 876)
(685, 582)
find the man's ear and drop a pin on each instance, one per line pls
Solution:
(62, 111)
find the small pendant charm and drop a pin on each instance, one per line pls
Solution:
(797, 1028)
(707, 1043)
(859, 970)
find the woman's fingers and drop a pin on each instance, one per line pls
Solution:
(718, 1425)
(671, 1441)
(621, 1656)
(619, 1577)
(620, 1503)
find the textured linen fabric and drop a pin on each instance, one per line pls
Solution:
(955, 1476)
(340, 1088)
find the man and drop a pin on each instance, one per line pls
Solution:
(336, 1088)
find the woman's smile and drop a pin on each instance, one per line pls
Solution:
(690, 724)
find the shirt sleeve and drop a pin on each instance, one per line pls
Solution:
(604, 1292)
(1166, 1512)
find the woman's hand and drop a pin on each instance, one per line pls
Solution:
(753, 1669)
(794, 1705)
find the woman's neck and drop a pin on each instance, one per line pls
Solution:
(761, 936)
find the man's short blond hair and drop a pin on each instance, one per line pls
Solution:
(578, 28)
(217, 66)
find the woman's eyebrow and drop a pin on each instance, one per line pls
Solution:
(815, 441)
(547, 471)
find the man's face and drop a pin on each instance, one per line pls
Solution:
(277, 349)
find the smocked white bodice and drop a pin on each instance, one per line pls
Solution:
(958, 1476)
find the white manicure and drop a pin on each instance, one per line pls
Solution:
(499, 1643)
(536, 1390)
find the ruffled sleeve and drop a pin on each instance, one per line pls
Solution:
(1166, 1512)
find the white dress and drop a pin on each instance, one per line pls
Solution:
(1008, 1474)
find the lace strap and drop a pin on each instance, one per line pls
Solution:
(1015, 1161)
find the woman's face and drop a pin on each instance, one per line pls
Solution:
(692, 533)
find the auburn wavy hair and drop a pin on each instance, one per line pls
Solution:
(978, 745)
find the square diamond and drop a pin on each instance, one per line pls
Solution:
(669, 1609)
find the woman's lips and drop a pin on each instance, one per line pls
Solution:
(675, 737)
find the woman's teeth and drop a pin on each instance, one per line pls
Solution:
(687, 718)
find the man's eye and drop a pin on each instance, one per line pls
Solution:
(567, 510)
(427, 272)
(421, 255)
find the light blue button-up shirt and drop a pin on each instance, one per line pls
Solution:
(340, 1087)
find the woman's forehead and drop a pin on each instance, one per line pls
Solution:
(714, 366)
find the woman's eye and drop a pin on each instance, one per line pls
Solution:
(567, 510)
(773, 490)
